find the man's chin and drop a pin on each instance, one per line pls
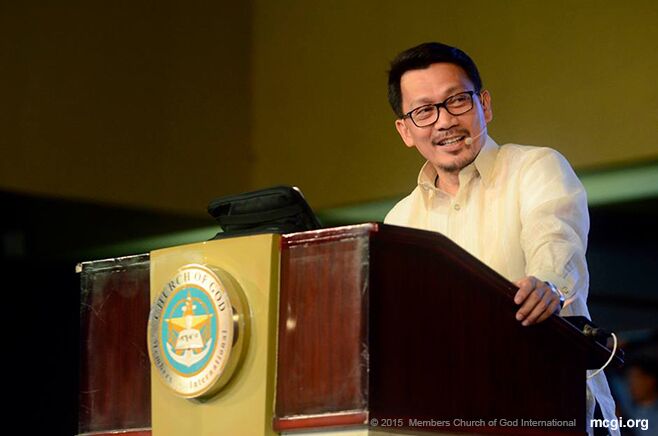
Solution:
(454, 166)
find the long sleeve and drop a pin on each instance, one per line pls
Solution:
(555, 223)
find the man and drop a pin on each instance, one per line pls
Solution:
(519, 209)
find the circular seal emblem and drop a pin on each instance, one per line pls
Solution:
(197, 331)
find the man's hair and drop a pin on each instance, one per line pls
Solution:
(421, 57)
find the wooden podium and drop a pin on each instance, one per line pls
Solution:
(370, 329)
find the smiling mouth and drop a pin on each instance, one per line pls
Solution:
(449, 141)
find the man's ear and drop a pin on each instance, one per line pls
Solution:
(485, 98)
(403, 130)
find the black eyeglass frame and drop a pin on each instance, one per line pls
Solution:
(438, 107)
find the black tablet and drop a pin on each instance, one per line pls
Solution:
(279, 209)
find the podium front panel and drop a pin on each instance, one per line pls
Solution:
(115, 388)
(322, 368)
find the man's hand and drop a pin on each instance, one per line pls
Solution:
(538, 300)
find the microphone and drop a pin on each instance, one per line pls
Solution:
(470, 139)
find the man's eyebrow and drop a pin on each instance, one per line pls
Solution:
(421, 102)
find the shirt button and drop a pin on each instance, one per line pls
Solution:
(457, 206)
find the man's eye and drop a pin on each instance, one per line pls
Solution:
(424, 112)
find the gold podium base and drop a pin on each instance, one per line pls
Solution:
(245, 405)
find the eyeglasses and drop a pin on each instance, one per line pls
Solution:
(428, 114)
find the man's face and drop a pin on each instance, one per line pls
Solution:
(442, 143)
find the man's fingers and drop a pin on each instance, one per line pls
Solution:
(540, 308)
(528, 306)
(521, 295)
(549, 310)
(552, 308)
(526, 286)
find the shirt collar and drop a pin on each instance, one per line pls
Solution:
(486, 160)
(427, 176)
(484, 164)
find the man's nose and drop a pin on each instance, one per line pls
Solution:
(446, 120)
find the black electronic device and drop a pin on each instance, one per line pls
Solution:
(279, 209)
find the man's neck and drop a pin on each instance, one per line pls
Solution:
(447, 182)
